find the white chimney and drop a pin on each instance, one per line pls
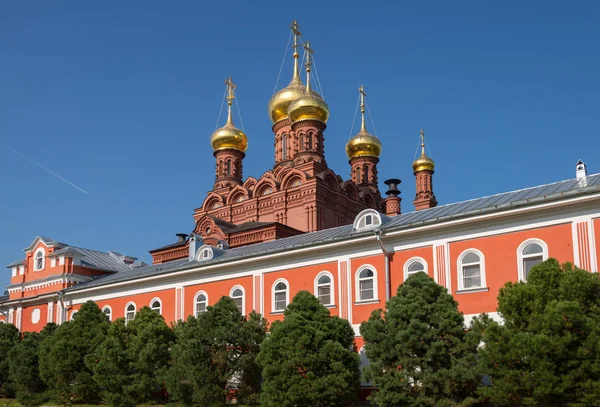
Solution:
(581, 170)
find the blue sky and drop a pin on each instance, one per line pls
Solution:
(120, 98)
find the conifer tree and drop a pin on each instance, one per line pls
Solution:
(419, 352)
(9, 338)
(213, 359)
(547, 352)
(309, 359)
(23, 362)
(62, 356)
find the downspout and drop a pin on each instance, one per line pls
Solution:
(385, 252)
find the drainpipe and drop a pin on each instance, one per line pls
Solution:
(385, 252)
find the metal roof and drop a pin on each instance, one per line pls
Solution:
(489, 204)
(16, 263)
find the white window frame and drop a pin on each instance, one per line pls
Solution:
(357, 285)
(459, 270)
(198, 294)
(110, 314)
(134, 311)
(520, 256)
(287, 295)
(413, 260)
(331, 287)
(205, 253)
(73, 313)
(376, 220)
(235, 287)
(160, 305)
(35, 258)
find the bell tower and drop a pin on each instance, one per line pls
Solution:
(423, 168)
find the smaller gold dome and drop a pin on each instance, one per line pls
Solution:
(279, 103)
(311, 106)
(363, 145)
(423, 163)
(229, 136)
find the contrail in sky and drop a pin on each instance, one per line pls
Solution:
(42, 167)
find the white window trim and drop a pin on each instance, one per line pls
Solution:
(205, 253)
(107, 307)
(35, 267)
(198, 294)
(287, 295)
(134, 309)
(412, 260)
(331, 287)
(520, 256)
(159, 301)
(459, 271)
(357, 285)
(376, 220)
(235, 287)
(73, 313)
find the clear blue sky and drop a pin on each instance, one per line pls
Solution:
(120, 98)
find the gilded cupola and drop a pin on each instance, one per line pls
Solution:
(363, 144)
(229, 136)
(311, 105)
(423, 163)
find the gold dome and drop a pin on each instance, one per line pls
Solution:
(309, 107)
(229, 136)
(278, 105)
(363, 145)
(423, 163)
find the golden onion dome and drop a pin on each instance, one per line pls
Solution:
(229, 136)
(311, 106)
(279, 103)
(363, 145)
(423, 163)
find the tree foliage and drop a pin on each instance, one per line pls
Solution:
(214, 357)
(62, 355)
(9, 337)
(548, 350)
(23, 363)
(419, 352)
(308, 359)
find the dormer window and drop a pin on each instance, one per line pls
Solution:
(367, 219)
(38, 260)
(205, 253)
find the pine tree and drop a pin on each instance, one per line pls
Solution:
(23, 362)
(9, 338)
(547, 352)
(419, 352)
(213, 357)
(309, 359)
(62, 356)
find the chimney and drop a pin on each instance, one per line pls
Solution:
(581, 170)
(181, 237)
(392, 202)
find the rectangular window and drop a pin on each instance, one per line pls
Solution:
(280, 301)
(238, 302)
(325, 295)
(130, 315)
(529, 263)
(366, 290)
(471, 276)
(200, 307)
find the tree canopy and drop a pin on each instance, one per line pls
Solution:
(9, 337)
(419, 352)
(548, 350)
(309, 358)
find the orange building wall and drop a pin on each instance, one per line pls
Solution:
(167, 298)
(27, 325)
(215, 291)
(500, 253)
(361, 312)
(400, 258)
(596, 227)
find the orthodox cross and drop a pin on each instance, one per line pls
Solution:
(230, 90)
(309, 53)
(295, 30)
(361, 90)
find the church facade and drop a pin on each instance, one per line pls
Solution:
(301, 226)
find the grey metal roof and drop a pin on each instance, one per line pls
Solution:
(489, 204)
(16, 263)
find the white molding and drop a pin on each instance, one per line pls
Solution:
(495, 316)
(592, 239)
(50, 310)
(459, 269)
(161, 305)
(235, 287)
(35, 257)
(375, 283)
(331, 286)
(287, 294)
(108, 307)
(134, 310)
(349, 280)
(198, 294)
(535, 240)
(73, 313)
(415, 259)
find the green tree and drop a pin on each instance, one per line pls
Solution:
(214, 357)
(419, 352)
(9, 337)
(23, 362)
(547, 352)
(62, 355)
(309, 359)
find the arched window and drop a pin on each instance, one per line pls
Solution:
(309, 138)
(296, 183)
(280, 295)
(108, 312)
(530, 253)
(156, 306)
(284, 146)
(471, 270)
(366, 283)
(201, 302)
(357, 175)
(267, 191)
(367, 219)
(237, 295)
(366, 173)
(205, 253)
(324, 288)
(301, 147)
(73, 315)
(413, 266)
(129, 312)
(39, 260)
(228, 168)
